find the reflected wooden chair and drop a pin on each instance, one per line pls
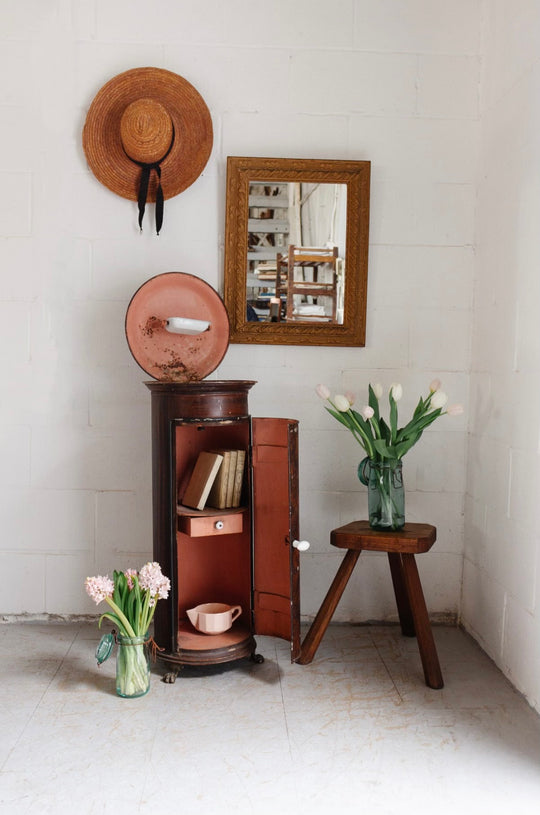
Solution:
(307, 275)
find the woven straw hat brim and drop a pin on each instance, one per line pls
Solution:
(193, 135)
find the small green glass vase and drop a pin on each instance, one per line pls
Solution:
(386, 496)
(132, 666)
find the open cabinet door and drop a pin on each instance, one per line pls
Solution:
(276, 569)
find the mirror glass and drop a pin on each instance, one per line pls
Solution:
(296, 263)
(296, 250)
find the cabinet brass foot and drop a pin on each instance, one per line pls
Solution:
(258, 658)
(170, 677)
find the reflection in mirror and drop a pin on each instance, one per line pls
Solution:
(296, 250)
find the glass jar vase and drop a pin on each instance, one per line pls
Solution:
(386, 496)
(132, 666)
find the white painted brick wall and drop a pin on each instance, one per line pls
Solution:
(392, 82)
(502, 554)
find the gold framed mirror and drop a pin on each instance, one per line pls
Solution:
(296, 250)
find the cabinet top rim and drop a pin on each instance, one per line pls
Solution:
(203, 386)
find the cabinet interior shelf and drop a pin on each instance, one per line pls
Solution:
(197, 649)
(208, 512)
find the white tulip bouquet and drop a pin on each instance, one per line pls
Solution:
(385, 443)
(384, 440)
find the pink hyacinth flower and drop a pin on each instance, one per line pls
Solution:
(130, 574)
(152, 580)
(99, 588)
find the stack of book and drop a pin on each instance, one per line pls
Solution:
(216, 480)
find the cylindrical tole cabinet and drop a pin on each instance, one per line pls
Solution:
(241, 556)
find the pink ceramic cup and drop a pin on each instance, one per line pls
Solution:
(213, 618)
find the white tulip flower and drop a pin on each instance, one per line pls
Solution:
(439, 399)
(341, 402)
(322, 391)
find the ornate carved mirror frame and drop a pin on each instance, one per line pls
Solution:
(243, 172)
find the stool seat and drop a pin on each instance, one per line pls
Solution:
(413, 538)
(401, 547)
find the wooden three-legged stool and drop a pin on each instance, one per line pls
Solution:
(401, 547)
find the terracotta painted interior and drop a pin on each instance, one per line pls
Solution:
(219, 568)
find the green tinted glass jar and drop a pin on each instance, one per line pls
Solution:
(132, 666)
(386, 496)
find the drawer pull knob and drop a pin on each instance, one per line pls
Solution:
(219, 524)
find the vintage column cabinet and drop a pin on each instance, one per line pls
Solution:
(239, 556)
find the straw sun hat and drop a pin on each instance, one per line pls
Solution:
(147, 136)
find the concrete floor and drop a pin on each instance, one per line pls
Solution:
(357, 731)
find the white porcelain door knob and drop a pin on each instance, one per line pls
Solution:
(301, 545)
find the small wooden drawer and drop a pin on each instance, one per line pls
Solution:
(209, 522)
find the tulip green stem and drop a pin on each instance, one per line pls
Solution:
(375, 427)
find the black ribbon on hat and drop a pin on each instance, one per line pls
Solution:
(146, 169)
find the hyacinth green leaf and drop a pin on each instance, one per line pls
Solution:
(131, 603)
(113, 619)
(123, 590)
(134, 604)
(117, 593)
(138, 605)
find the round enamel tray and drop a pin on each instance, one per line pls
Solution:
(177, 327)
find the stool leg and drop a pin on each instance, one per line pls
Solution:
(326, 611)
(402, 598)
(424, 635)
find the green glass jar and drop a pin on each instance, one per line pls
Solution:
(132, 666)
(386, 496)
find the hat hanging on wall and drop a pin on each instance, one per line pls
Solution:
(148, 136)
